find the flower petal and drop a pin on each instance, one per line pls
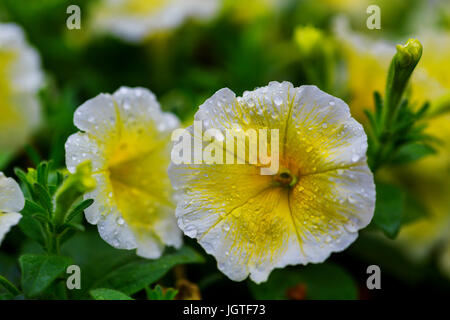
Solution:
(11, 196)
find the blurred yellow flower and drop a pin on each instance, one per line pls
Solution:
(11, 202)
(20, 79)
(126, 137)
(246, 11)
(308, 39)
(135, 20)
(368, 63)
(315, 204)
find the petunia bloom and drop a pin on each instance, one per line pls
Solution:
(11, 202)
(20, 79)
(134, 20)
(321, 195)
(126, 137)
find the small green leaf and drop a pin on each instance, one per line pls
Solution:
(108, 294)
(9, 286)
(32, 207)
(42, 173)
(321, 281)
(79, 208)
(157, 293)
(39, 272)
(388, 209)
(44, 197)
(23, 177)
(137, 275)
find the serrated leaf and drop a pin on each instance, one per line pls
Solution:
(137, 275)
(319, 281)
(40, 271)
(42, 173)
(23, 177)
(108, 294)
(32, 207)
(44, 197)
(388, 209)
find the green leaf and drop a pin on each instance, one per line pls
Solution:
(388, 209)
(5, 159)
(96, 259)
(158, 293)
(32, 207)
(23, 177)
(44, 197)
(412, 152)
(320, 281)
(42, 173)
(9, 286)
(414, 210)
(39, 272)
(108, 294)
(32, 229)
(137, 275)
(79, 208)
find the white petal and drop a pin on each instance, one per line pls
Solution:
(79, 148)
(115, 231)
(321, 133)
(11, 196)
(97, 117)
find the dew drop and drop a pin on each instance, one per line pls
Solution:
(278, 101)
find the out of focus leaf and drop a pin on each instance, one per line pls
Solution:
(412, 152)
(138, 274)
(388, 209)
(108, 294)
(319, 281)
(414, 209)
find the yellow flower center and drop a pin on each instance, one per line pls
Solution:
(137, 172)
(285, 178)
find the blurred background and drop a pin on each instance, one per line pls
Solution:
(184, 51)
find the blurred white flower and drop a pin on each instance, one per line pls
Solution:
(20, 79)
(134, 20)
(126, 137)
(11, 202)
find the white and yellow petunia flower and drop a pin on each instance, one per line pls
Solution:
(315, 204)
(11, 202)
(134, 20)
(126, 137)
(20, 79)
